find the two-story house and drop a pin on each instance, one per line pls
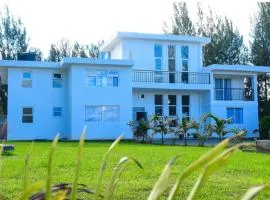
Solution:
(144, 74)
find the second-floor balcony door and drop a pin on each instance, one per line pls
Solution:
(227, 89)
(171, 63)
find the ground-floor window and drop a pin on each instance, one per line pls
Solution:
(57, 111)
(27, 115)
(172, 105)
(236, 115)
(159, 104)
(185, 106)
(106, 113)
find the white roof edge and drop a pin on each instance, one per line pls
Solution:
(152, 36)
(239, 68)
(89, 61)
(30, 64)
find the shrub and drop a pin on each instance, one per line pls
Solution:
(265, 127)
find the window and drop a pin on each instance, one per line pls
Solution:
(172, 105)
(236, 114)
(57, 81)
(102, 113)
(27, 79)
(158, 57)
(27, 115)
(184, 58)
(102, 78)
(159, 105)
(57, 111)
(171, 63)
(185, 106)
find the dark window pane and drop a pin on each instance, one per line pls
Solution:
(158, 50)
(184, 52)
(158, 100)
(115, 81)
(27, 119)
(185, 111)
(184, 65)
(27, 111)
(171, 51)
(171, 63)
(185, 100)
(172, 110)
(172, 99)
(158, 110)
(57, 75)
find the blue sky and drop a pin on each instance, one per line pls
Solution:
(91, 20)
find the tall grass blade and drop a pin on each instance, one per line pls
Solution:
(213, 165)
(26, 162)
(254, 191)
(204, 159)
(119, 168)
(61, 195)
(163, 181)
(49, 175)
(77, 169)
(31, 189)
(103, 166)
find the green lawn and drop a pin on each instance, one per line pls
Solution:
(242, 171)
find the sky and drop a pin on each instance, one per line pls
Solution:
(87, 21)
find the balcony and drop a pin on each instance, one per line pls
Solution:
(231, 94)
(148, 76)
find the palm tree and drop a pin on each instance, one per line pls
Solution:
(203, 131)
(161, 124)
(140, 128)
(220, 126)
(185, 126)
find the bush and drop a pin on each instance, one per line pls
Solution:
(265, 127)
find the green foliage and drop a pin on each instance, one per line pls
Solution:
(65, 48)
(140, 128)
(161, 125)
(13, 36)
(260, 48)
(185, 126)
(220, 126)
(226, 46)
(265, 127)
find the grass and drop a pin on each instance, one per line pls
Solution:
(244, 169)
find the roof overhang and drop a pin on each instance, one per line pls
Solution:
(109, 45)
(30, 64)
(239, 68)
(105, 62)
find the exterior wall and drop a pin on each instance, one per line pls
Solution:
(250, 108)
(117, 52)
(81, 95)
(42, 97)
(142, 52)
(148, 102)
(250, 115)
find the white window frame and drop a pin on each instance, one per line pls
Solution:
(27, 115)
(55, 80)
(241, 121)
(101, 111)
(158, 58)
(59, 111)
(102, 78)
(27, 82)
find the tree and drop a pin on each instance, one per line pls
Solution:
(181, 22)
(140, 128)
(161, 125)
(203, 131)
(13, 36)
(64, 48)
(220, 126)
(226, 46)
(185, 126)
(260, 48)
